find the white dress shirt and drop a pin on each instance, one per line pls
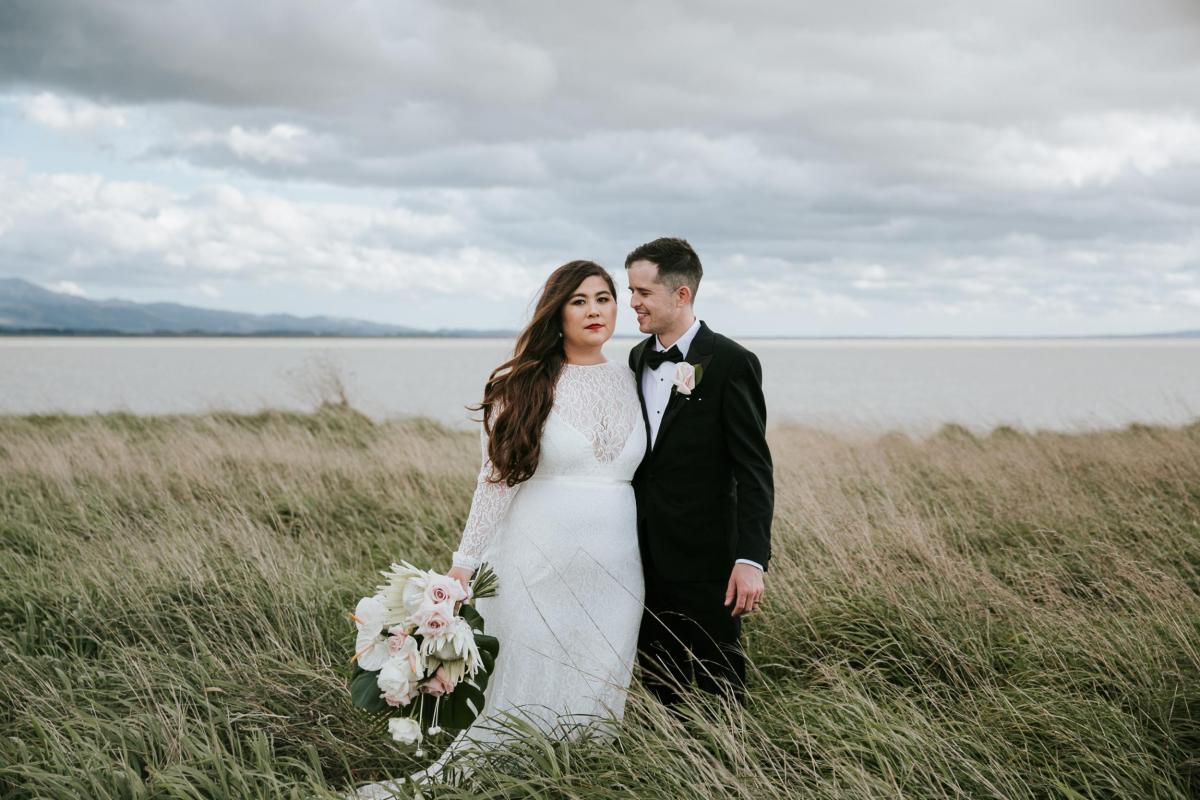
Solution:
(657, 383)
(656, 388)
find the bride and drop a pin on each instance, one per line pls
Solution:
(553, 513)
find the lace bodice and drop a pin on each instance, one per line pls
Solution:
(594, 430)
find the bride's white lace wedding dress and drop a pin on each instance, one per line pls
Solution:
(564, 546)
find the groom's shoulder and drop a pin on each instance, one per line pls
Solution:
(721, 341)
(738, 359)
(730, 347)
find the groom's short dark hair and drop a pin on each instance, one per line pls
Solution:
(678, 265)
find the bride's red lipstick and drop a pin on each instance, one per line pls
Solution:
(595, 326)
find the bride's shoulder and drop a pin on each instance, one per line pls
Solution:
(622, 373)
(621, 368)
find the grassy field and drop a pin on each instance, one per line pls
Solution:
(1008, 616)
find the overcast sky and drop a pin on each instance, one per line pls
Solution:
(853, 168)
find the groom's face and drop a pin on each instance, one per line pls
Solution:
(656, 305)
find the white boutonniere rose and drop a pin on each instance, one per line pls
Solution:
(687, 376)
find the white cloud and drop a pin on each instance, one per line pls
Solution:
(870, 277)
(62, 113)
(280, 144)
(67, 287)
(1094, 149)
(139, 232)
(783, 294)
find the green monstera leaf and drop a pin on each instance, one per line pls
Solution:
(364, 691)
(468, 612)
(458, 709)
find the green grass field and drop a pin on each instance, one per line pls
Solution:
(1008, 616)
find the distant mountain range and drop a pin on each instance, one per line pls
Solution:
(26, 308)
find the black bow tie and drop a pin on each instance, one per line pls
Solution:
(655, 358)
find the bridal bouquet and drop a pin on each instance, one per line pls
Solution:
(419, 664)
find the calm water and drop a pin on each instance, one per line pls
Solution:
(874, 384)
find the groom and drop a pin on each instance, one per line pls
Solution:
(704, 489)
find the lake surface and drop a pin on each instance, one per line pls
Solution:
(864, 384)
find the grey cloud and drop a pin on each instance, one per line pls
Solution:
(318, 55)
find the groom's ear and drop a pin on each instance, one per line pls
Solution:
(684, 293)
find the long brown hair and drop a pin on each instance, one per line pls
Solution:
(520, 392)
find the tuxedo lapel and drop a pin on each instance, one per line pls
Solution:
(636, 364)
(700, 353)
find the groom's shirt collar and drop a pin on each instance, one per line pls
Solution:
(685, 341)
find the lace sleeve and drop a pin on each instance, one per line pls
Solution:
(488, 507)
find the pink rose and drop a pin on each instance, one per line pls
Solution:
(444, 589)
(395, 642)
(685, 377)
(433, 619)
(438, 684)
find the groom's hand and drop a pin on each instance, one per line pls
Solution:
(745, 586)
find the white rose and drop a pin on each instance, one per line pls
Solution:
(401, 671)
(685, 377)
(405, 730)
(396, 700)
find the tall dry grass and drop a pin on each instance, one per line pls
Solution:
(1009, 616)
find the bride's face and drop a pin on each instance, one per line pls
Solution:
(590, 314)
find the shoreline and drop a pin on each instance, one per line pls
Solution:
(505, 336)
(348, 414)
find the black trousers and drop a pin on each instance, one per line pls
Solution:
(687, 633)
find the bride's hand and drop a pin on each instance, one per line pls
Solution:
(463, 576)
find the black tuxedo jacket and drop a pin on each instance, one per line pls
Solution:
(705, 491)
